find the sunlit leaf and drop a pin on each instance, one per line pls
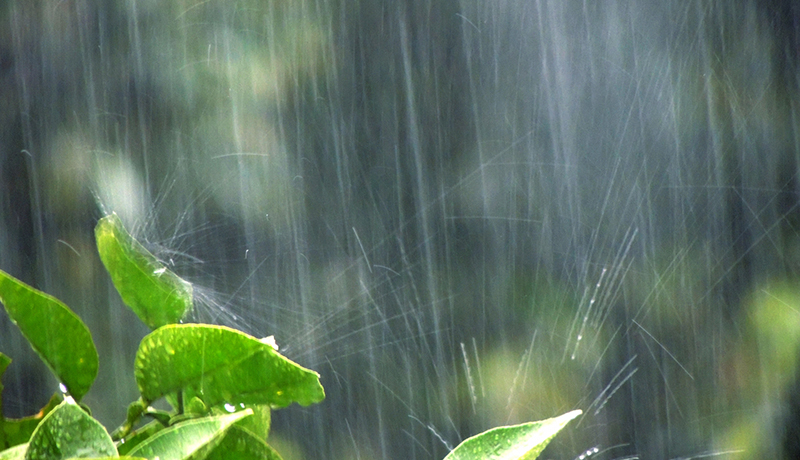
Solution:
(67, 432)
(121, 457)
(181, 441)
(157, 295)
(517, 442)
(241, 444)
(259, 423)
(57, 335)
(220, 365)
(139, 436)
(19, 431)
(14, 453)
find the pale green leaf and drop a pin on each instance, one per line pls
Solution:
(220, 365)
(69, 432)
(14, 453)
(157, 295)
(241, 444)
(181, 441)
(57, 335)
(516, 442)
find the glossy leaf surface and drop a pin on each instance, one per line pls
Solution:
(121, 457)
(220, 365)
(4, 362)
(14, 453)
(139, 436)
(157, 295)
(57, 335)
(241, 444)
(181, 441)
(517, 442)
(19, 431)
(69, 432)
(259, 423)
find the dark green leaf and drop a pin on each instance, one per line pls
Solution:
(241, 444)
(157, 295)
(4, 362)
(181, 441)
(517, 442)
(220, 365)
(69, 432)
(19, 431)
(57, 335)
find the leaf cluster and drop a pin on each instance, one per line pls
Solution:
(221, 384)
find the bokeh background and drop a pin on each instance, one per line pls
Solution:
(461, 213)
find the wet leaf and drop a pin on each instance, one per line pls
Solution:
(69, 432)
(19, 431)
(14, 453)
(4, 362)
(121, 457)
(157, 295)
(139, 436)
(517, 442)
(221, 365)
(57, 335)
(241, 444)
(181, 441)
(259, 423)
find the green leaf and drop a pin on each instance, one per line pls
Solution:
(19, 431)
(181, 441)
(69, 432)
(4, 362)
(517, 442)
(14, 453)
(139, 436)
(220, 365)
(241, 444)
(57, 335)
(121, 457)
(259, 423)
(157, 295)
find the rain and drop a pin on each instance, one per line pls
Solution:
(462, 214)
